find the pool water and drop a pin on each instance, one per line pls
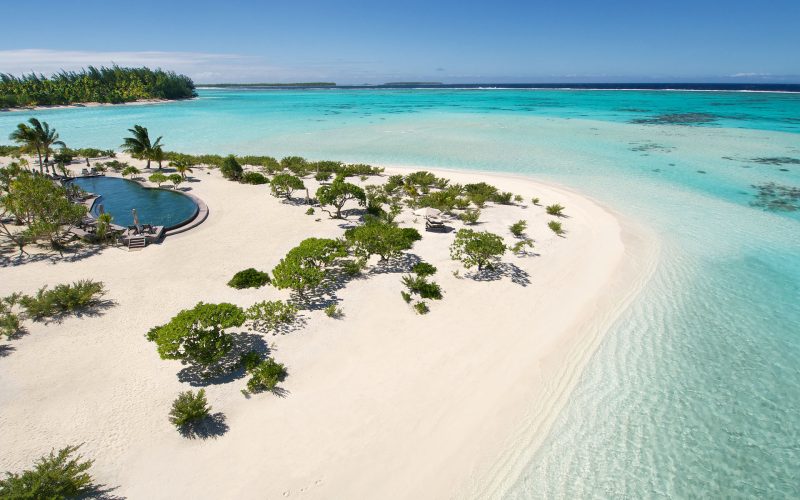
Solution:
(119, 197)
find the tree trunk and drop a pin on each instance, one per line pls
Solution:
(39, 154)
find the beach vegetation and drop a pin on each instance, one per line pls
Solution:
(189, 409)
(296, 165)
(10, 321)
(518, 198)
(141, 147)
(556, 227)
(130, 171)
(423, 269)
(265, 376)
(37, 138)
(57, 476)
(535, 200)
(423, 180)
(380, 238)
(198, 335)
(339, 192)
(255, 178)
(518, 228)
(158, 178)
(285, 184)
(181, 167)
(249, 360)
(175, 179)
(334, 312)
(323, 176)
(521, 247)
(555, 209)
(470, 216)
(249, 278)
(477, 248)
(310, 211)
(406, 296)
(421, 307)
(503, 198)
(66, 298)
(231, 169)
(270, 315)
(419, 285)
(305, 266)
(104, 232)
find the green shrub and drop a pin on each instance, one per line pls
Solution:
(521, 246)
(175, 179)
(353, 267)
(518, 198)
(333, 312)
(10, 324)
(406, 296)
(555, 226)
(323, 176)
(249, 278)
(231, 169)
(310, 211)
(285, 184)
(266, 375)
(518, 228)
(270, 315)
(422, 287)
(189, 409)
(63, 299)
(470, 216)
(53, 477)
(254, 178)
(461, 203)
(555, 209)
(423, 269)
(477, 248)
(503, 198)
(535, 201)
(421, 308)
(158, 178)
(249, 360)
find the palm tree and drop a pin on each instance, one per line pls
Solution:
(181, 167)
(139, 146)
(38, 137)
(158, 154)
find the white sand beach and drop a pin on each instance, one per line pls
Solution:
(382, 403)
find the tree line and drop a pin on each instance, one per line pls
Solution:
(107, 85)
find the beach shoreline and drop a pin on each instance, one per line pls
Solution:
(381, 404)
(139, 102)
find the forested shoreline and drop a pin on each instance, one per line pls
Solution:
(112, 85)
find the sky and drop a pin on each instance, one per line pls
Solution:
(355, 42)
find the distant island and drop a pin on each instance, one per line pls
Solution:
(413, 83)
(252, 85)
(114, 85)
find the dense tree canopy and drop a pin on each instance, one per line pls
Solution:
(380, 238)
(108, 85)
(338, 192)
(479, 248)
(305, 265)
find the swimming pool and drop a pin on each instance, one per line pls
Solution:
(159, 207)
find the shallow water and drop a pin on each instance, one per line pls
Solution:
(696, 390)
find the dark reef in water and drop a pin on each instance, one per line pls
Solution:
(768, 160)
(646, 146)
(677, 119)
(776, 197)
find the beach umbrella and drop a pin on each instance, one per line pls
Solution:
(428, 212)
(135, 218)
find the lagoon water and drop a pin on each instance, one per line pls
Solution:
(695, 392)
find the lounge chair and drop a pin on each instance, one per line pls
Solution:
(434, 224)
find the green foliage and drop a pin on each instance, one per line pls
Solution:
(480, 190)
(444, 200)
(10, 324)
(42, 206)
(37, 138)
(503, 198)
(266, 376)
(535, 200)
(380, 238)
(555, 209)
(254, 178)
(249, 278)
(109, 85)
(521, 247)
(422, 179)
(477, 248)
(189, 409)
(423, 269)
(158, 178)
(249, 360)
(421, 308)
(198, 335)
(296, 164)
(130, 171)
(304, 266)
(58, 476)
(518, 228)
(406, 296)
(63, 299)
(518, 198)
(270, 315)
(140, 146)
(310, 211)
(338, 192)
(231, 169)
(104, 231)
(393, 183)
(470, 216)
(353, 267)
(285, 184)
(555, 226)
(323, 176)
(175, 179)
(420, 286)
(334, 312)
(116, 165)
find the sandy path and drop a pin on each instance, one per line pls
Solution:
(380, 404)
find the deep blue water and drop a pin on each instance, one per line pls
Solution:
(119, 197)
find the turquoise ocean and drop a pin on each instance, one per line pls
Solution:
(695, 391)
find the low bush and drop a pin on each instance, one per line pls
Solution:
(518, 198)
(421, 308)
(333, 312)
(231, 169)
(406, 296)
(520, 247)
(53, 477)
(470, 216)
(310, 211)
(63, 299)
(189, 409)
(422, 287)
(535, 201)
(266, 376)
(555, 209)
(249, 360)
(423, 269)
(254, 178)
(518, 228)
(555, 226)
(503, 198)
(270, 315)
(158, 178)
(249, 278)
